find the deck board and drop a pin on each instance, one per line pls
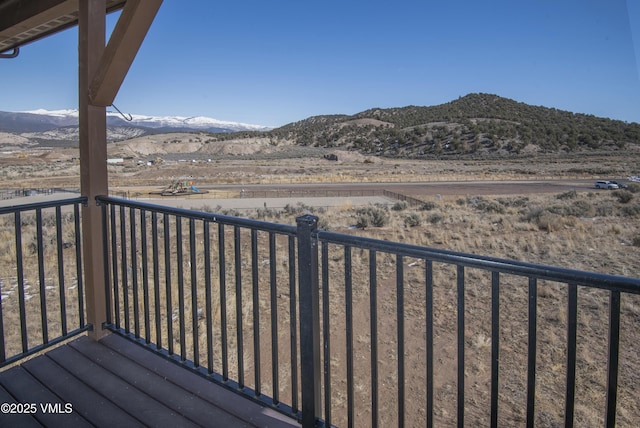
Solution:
(217, 396)
(28, 390)
(116, 382)
(161, 390)
(94, 407)
(17, 419)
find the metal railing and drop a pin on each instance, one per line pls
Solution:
(337, 329)
(41, 280)
(200, 289)
(414, 276)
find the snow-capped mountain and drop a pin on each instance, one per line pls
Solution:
(46, 120)
(196, 122)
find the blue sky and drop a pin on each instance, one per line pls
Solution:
(273, 63)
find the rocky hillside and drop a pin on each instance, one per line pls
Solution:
(477, 125)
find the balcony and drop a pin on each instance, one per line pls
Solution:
(223, 320)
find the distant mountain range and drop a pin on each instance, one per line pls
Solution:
(476, 125)
(61, 126)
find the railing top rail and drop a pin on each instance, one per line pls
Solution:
(46, 204)
(553, 273)
(201, 215)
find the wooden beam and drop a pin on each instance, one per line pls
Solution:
(93, 160)
(124, 43)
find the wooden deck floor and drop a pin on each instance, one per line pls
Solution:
(115, 382)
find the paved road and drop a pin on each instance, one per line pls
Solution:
(487, 187)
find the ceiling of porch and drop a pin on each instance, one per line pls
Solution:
(25, 21)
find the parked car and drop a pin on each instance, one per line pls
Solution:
(603, 184)
(619, 184)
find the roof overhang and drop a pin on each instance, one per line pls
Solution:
(25, 21)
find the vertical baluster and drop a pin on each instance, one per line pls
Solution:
(239, 317)
(256, 311)
(572, 321)
(495, 346)
(167, 276)
(79, 270)
(156, 278)
(531, 364)
(63, 302)
(144, 254)
(293, 324)
(223, 302)
(429, 344)
(373, 308)
(41, 277)
(125, 267)
(180, 261)
(348, 297)
(194, 293)
(114, 266)
(461, 309)
(134, 272)
(400, 326)
(326, 330)
(273, 283)
(207, 292)
(20, 279)
(614, 354)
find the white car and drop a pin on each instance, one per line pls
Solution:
(602, 184)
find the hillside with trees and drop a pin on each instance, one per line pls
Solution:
(476, 125)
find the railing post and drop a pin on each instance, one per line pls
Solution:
(93, 160)
(309, 302)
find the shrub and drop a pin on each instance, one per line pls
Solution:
(520, 201)
(232, 212)
(428, 206)
(578, 208)
(624, 196)
(604, 210)
(549, 222)
(412, 220)
(267, 213)
(399, 206)
(571, 194)
(631, 210)
(634, 187)
(485, 205)
(532, 214)
(435, 218)
(300, 208)
(372, 216)
(323, 223)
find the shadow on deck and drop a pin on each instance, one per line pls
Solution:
(115, 382)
